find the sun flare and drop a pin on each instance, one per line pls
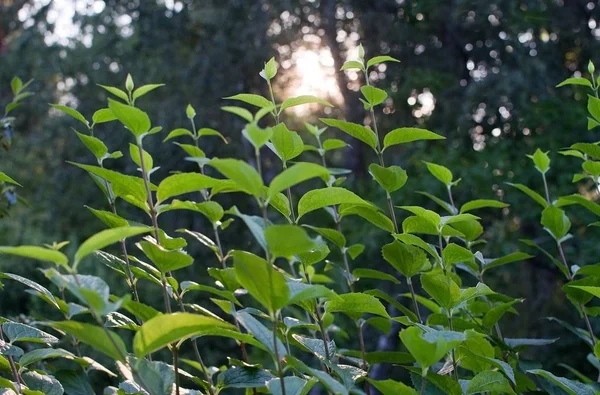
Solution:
(311, 72)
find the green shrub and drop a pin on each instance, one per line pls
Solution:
(292, 320)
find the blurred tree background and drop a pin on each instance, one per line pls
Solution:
(482, 73)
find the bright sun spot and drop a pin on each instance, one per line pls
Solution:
(312, 72)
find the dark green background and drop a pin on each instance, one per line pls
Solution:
(211, 49)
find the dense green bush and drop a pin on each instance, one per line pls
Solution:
(295, 299)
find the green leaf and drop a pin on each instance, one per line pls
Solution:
(356, 304)
(165, 329)
(570, 386)
(96, 337)
(355, 130)
(407, 259)
(261, 333)
(481, 203)
(256, 225)
(106, 238)
(285, 241)
(239, 111)
(407, 135)
(108, 218)
(594, 106)
(541, 161)
(142, 90)
(425, 352)
(319, 198)
(178, 132)
(281, 203)
(371, 214)
(42, 354)
(72, 112)
(472, 293)
(244, 377)
(440, 172)
(380, 59)
(556, 222)
(510, 258)
(48, 296)
(592, 150)
(374, 96)
(352, 64)
(270, 69)
(453, 254)
(16, 84)
(591, 167)
(39, 383)
(255, 100)
(355, 250)
(441, 288)
(134, 119)
(211, 210)
(591, 290)
(211, 132)
(287, 144)
(325, 379)
(256, 135)
(301, 292)
(389, 178)
(181, 183)
(129, 188)
(300, 100)
(39, 253)
(373, 274)
(296, 174)
(519, 343)
(165, 260)
(244, 175)
(17, 332)
(494, 314)
(489, 381)
(392, 387)
(331, 144)
(158, 377)
(332, 235)
(95, 145)
(258, 277)
(134, 152)
(293, 386)
(5, 178)
(575, 81)
(430, 216)
(531, 193)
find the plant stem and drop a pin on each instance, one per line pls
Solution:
(423, 385)
(13, 367)
(546, 188)
(275, 315)
(167, 300)
(99, 321)
(146, 178)
(319, 320)
(176, 367)
(275, 320)
(450, 197)
(390, 203)
(453, 355)
(154, 217)
(581, 307)
(496, 325)
(290, 198)
(363, 353)
(130, 277)
(414, 299)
